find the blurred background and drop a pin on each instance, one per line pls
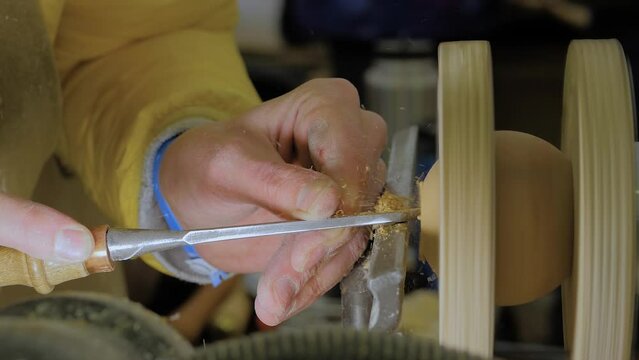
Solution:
(388, 49)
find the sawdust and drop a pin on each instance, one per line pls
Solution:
(390, 202)
(384, 231)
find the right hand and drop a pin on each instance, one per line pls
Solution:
(303, 155)
(42, 232)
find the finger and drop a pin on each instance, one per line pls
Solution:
(42, 232)
(376, 183)
(328, 274)
(321, 126)
(235, 253)
(283, 290)
(348, 152)
(311, 248)
(282, 188)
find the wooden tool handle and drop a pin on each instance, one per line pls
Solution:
(17, 268)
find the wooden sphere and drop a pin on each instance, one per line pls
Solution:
(534, 215)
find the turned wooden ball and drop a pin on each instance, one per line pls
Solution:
(534, 218)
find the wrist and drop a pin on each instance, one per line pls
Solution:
(177, 175)
(160, 196)
(194, 260)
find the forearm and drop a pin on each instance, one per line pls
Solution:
(118, 106)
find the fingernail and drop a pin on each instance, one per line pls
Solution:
(73, 244)
(314, 199)
(285, 290)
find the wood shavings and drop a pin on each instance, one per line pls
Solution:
(390, 202)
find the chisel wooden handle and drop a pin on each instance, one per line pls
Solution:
(17, 268)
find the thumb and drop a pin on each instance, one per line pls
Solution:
(289, 189)
(42, 232)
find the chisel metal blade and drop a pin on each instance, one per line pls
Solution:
(125, 244)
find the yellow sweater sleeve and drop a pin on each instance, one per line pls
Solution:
(129, 70)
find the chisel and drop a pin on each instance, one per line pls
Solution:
(113, 244)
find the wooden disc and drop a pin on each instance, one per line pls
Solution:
(467, 203)
(598, 138)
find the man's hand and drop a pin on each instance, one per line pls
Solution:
(304, 155)
(42, 232)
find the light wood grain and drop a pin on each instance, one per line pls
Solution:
(467, 203)
(21, 269)
(18, 268)
(598, 136)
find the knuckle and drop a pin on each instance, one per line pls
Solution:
(378, 128)
(334, 89)
(224, 155)
(272, 179)
(327, 152)
(344, 87)
(377, 122)
(30, 213)
(26, 209)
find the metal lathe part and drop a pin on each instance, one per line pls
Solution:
(357, 299)
(125, 244)
(373, 292)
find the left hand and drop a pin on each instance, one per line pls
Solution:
(303, 155)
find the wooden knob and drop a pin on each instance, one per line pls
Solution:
(533, 218)
(21, 269)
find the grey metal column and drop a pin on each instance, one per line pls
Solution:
(372, 293)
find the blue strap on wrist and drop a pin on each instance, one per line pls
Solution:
(216, 275)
